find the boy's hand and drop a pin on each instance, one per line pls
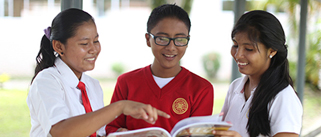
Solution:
(142, 111)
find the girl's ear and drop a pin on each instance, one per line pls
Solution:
(147, 37)
(271, 52)
(58, 47)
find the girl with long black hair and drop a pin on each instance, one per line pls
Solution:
(263, 102)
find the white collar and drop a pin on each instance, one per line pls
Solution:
(66, 73)
(240, 86)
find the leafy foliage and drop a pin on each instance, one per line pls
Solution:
(211, 64)
(118, 68)
(313, 60)
(4, 77)
(185, 4)
(156, 3)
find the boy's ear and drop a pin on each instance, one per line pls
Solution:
(58, 47)
(147, 37)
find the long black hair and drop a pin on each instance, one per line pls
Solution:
(263, 27)
(63, 27)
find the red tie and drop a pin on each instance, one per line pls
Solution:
(85, 100)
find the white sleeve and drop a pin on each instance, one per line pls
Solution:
(46, 99)
(286, 112)
(230, 94)
(227, 101)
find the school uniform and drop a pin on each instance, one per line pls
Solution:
(54, 96)
(285, 110)
(183, 96)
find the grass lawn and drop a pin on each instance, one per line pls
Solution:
(15, 119)
(14, 115)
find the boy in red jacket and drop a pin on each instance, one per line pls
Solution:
(164, 84)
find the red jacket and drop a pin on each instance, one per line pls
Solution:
(184, 96)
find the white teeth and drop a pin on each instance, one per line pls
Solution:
(239, 63)
(169, 55)
(91, 59)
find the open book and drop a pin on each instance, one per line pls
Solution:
(188, 127)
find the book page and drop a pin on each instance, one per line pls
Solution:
(144, 132)
(199, 126)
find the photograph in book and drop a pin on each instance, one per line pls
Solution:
(199, 126)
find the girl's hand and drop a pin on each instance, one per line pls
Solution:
(228, 133)
(142, 111)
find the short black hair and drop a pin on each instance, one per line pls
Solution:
(168, 10)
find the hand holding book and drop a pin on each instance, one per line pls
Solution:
(189, 127)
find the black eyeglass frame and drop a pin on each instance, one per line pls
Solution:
(170, 39)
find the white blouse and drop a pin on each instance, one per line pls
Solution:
(285, 110)
(54, 96)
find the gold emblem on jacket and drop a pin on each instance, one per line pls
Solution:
(180, 106)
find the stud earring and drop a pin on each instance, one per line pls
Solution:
(271, 56)
(63, 53)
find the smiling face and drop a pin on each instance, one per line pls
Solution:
(167, 57)
(81, 51)
(252, 60)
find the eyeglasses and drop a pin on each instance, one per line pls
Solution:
(164, 41)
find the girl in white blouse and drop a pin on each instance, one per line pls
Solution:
(263, 102)
(68, 49)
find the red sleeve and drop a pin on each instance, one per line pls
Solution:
(203, 102)
(120, 93)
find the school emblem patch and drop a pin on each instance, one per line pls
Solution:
(180, 106)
